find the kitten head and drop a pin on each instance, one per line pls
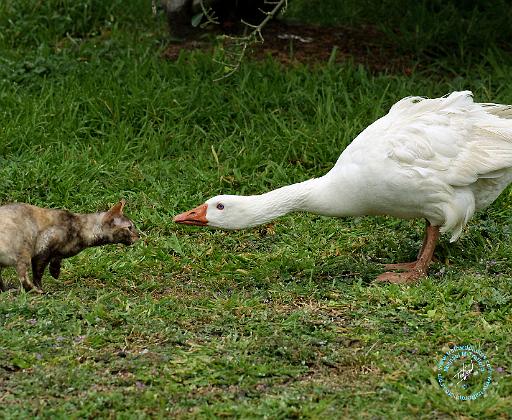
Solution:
(117, 227)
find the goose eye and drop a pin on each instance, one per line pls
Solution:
(220, 206)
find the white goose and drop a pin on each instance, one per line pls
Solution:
(439, 159)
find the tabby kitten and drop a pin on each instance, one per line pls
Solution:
(31, 235)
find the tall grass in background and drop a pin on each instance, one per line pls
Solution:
(460, 29)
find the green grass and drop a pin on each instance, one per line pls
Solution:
(281, 321)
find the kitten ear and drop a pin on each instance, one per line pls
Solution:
(115, 211)
(118, 208)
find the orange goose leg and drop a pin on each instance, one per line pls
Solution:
(415, 270)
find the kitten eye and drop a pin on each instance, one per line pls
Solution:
(220, 206)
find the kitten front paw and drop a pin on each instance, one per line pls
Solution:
(37, 290)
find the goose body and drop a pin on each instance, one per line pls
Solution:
(439, 159)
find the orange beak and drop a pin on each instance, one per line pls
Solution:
(195, 216)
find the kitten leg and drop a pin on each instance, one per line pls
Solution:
(55, 267)
(22, 270)
(39, 264)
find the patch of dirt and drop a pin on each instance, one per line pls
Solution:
(291, 44)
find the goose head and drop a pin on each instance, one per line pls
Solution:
(228, 212)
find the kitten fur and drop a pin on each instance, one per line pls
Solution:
(36, 236)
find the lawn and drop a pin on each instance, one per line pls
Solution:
(281, 321)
